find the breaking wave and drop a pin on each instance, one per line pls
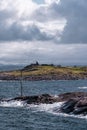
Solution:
(85, 87)
(49, 108)
(11, 103)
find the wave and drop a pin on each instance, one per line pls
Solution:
(84, 87)
(1, 80)
(11, 103)
(49, 108)
(46, 107)
(54, 109)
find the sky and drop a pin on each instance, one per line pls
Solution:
(47, 31)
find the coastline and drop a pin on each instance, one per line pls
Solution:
(43, 77)
(35, 72)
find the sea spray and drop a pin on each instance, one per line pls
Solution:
(84, 87)
(12, 104)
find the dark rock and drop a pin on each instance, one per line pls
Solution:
(68, 106)
(82, 102)
(74, 102)
(44, 98)
(80, 110)
(71, 95)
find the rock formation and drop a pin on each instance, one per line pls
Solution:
(73, 102)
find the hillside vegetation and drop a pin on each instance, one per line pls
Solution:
(46, 72)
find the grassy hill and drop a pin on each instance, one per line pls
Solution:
(46, 72)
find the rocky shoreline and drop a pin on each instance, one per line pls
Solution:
(43, 77)
(36, 72)
(73, 102)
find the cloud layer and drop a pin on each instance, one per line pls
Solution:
(75, 12)
(33, 30)
(26, 53)
(58, 21)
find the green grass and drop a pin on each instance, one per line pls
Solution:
(47, 70)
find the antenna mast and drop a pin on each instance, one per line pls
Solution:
(21, 83)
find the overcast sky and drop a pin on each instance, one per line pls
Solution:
(47, 31)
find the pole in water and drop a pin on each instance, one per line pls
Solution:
(21, 83)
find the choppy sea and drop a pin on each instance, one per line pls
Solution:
(17, 115)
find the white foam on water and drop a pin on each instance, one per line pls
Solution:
(46, 107)
(84, 87)
(1, 80)
(69, 115)
(49, 108)
(11, 104)
(54, 109)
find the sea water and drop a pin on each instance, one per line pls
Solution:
(17, 115)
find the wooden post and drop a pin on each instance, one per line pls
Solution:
(21, 83)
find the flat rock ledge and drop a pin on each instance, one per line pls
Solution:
(73, 102)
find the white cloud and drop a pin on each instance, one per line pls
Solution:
(22, 20)
(51, 1)
(30, 31)
(26, 53)
(22, 7)
(55, 20)
(16, 16)
(74, 12)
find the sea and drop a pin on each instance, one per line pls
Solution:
(17, 115)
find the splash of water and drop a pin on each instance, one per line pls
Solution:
(49, 108)
(84, 87)
(11, 104)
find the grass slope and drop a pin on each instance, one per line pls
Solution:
(50, 70)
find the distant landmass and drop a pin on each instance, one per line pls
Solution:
(10, 67)
(43, 72)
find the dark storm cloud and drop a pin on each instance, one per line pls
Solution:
(4, 15)
(17, 31)
(11, 28)
(75, 13)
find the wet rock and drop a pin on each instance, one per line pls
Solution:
(37, 99)
(73, 102)
(80, 110)
(76, 104)
(82, 102)
(72, 95)
(68, 106)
